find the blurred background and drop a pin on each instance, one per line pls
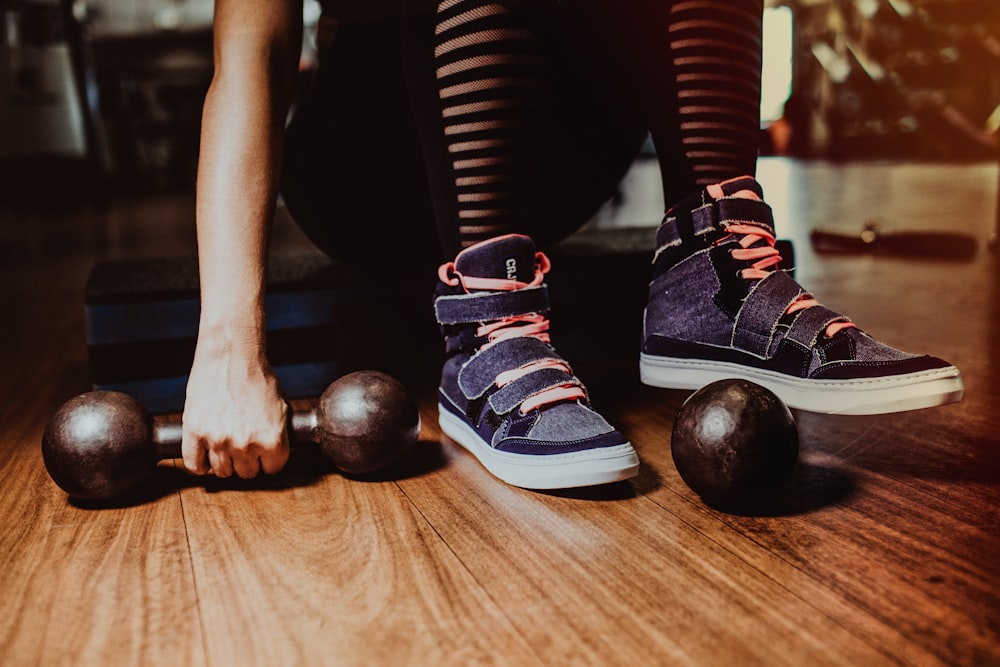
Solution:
(907, 79)
(102, 98)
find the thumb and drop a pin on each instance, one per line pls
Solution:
(195, 453)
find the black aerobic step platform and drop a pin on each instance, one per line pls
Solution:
(324, 320)
(142, 325)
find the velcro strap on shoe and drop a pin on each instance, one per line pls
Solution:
(512, 395)
(490, 306)
(741, 211)
(732, 211)
(810, 323)
(764, 306)
(704, 219)
(479, 372)
(668, 235)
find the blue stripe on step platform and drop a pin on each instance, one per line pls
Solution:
(166, 395)
(179, 318)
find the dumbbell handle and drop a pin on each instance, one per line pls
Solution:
(302, 425)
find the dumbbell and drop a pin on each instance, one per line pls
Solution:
(103, 444)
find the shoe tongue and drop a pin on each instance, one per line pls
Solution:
(510, 257)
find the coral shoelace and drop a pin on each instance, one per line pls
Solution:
(529, 324)
(765, 258)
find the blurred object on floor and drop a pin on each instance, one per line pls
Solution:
(911, 244)
(51, 147)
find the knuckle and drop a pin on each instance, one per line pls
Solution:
(240, 446)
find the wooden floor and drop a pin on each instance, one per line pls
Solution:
(885, 551)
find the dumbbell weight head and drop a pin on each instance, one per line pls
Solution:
(98, 445)
(366, 421)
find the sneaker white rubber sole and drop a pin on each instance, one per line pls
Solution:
(863, 396)
(550, 471)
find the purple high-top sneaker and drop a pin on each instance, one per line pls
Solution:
(719, 307)
(505, 395)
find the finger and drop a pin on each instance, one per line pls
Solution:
(246, 462)
(221, 462)
(273, 460)
(195, 454)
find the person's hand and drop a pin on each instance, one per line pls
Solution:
(234, 416)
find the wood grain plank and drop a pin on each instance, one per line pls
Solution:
(922, 583)
(589, 578)
(818, 483)
(77, 586)
(336, 571)
(82, 586)
(880, 514)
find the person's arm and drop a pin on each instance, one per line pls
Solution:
(234, 415)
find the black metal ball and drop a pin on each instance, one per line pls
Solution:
(735, 444)
(366, 422)
(97, 445)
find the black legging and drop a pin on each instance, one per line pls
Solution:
(354, 177)
(493, 117)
